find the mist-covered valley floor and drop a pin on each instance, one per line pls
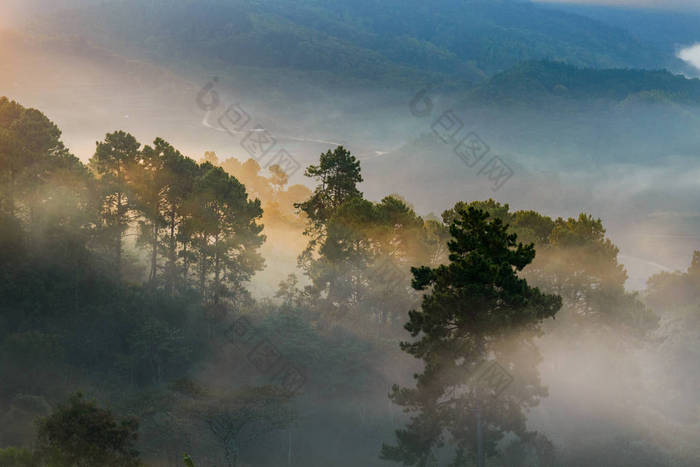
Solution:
(243, 233)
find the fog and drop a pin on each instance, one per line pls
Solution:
(691, 55)
(618, 389)
(115, 92)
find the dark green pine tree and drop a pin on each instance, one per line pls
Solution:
(80, 433)
(114, 158)
(338, 173)
(476, 309)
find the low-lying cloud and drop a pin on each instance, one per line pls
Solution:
(691, 55)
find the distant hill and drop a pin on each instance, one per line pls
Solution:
(572, 115)
(387, 41)
(534, 81)
(666, 30)
(545, 116)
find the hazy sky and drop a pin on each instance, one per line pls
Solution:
(675, 4)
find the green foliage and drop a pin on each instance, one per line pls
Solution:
(359, 253)
(76, 309)
(41, 183)
(672, 289)
(555, 82)
(676, 299)
(277, 198)
(187, 214)
(391, 42)
(225, 233)
(114, 159)
(236, 419)
(581, 265)
(17, 457)
(288, 291)
(470, 306)
(72, 310)
(81, 434)
(578, 262)
(338, 174)
(336, 363)
(65, 305)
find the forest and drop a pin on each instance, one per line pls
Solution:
(453, 41)
(129, 335)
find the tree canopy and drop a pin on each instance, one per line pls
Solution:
(470, 307)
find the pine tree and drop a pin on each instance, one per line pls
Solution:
(475, 309)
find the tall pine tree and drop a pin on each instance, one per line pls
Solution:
(475, 309)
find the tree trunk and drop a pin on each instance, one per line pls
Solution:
(11, 195)
(186, 263)
(118, 243)
(202, 275)
(217, 269)
(120, 221)
(171, 255)
(479, 438)
(154, 251)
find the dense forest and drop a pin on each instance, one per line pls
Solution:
(129, 336)
(169, 296)
(535, 80)
(456, 41)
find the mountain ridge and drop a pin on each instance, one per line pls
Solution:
(390, 41)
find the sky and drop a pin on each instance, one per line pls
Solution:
(666, 4)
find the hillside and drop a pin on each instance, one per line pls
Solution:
(535, 80)
(372, 41)
(666, 30)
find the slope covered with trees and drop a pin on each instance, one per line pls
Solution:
(127, 278)
(462, 40)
